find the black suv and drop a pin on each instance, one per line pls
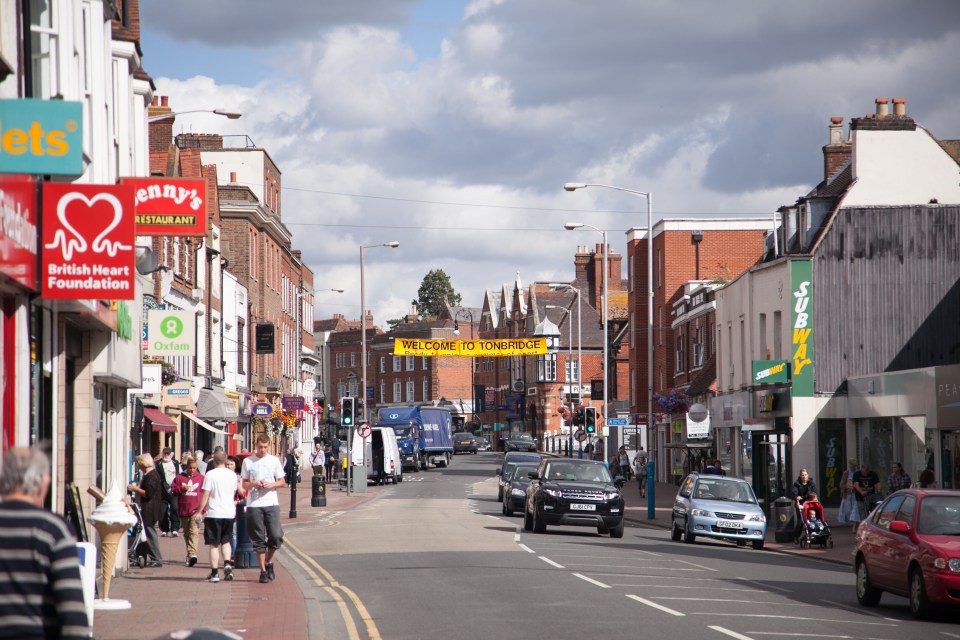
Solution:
(519, 441)
(574, 492)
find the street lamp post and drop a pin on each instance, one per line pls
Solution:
(570, 226)
(363, 354)
(558, 285)
(566, 311)
(298, 379)
(651, 484)
(230, 114)
(473, 363)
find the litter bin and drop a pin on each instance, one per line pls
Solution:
(785, 520)
(244, 557)
(319, 496)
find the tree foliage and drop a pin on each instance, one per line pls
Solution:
(435, 291)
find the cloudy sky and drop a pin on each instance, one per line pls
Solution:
(451, 125)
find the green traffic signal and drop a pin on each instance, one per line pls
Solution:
(347, 411)
(590, 419)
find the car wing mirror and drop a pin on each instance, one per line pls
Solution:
(899, 526)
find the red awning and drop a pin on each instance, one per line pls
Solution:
(159, 421)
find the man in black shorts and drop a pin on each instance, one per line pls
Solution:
(217, 503)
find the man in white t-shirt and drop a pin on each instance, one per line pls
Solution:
(218, 503)
(262, 474)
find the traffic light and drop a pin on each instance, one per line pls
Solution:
(578, 417)
(347, 411)
(590, 419)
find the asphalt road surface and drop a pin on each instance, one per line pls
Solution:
(434, 557)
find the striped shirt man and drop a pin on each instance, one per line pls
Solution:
(40, 592)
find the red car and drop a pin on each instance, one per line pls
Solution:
(910, 546)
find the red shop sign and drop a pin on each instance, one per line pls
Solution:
(88, 242)
(170, 206)
(18, 229)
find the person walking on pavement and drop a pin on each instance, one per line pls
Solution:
(218, 504)
(640, 467)
(186, 486)
(335, 444)
(804, 487)
(201, 464)
(40, 592)
(149, 496)
(262, 475)
(330, 464)
(865, 484)
(318, 458)
(848, 501)
(169, 468)
(624, 459)
(898, 479)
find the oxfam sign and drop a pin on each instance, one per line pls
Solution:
(172, 333)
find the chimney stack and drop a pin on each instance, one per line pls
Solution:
(837, 151)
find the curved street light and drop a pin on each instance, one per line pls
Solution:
(573, 186)
(230, 114)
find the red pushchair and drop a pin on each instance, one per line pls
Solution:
(815, 531)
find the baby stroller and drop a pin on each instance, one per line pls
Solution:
(818, 533)
(142, 543)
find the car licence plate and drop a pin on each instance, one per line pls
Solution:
(583, 507)
(727, 524)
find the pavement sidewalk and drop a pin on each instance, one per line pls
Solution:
(637, 512)
(174, 596)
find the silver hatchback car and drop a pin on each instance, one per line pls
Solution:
(717, 507)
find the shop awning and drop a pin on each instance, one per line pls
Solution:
(159, 421)
(212, 404)
(208, 427)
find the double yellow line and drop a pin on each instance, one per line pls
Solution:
(323, 579)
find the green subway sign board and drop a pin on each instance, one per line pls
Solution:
(770, 371)
(801, 319)
(41, 137)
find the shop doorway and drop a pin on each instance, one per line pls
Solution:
(950, 459)
(771, 451)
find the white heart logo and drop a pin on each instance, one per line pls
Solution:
(78, 243)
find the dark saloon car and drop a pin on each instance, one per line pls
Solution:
(519, 441)
(515, 488)
(910, 546)
(574, 492)
(464, 443)
(510, 460)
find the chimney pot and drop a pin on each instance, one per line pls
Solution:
(883, 106)
(233, 176)
(899, 106)
(836, 130)
(836, 120)
(163, 100)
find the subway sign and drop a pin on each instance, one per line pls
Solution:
(770, 371)
(801, 320)
(41, 137)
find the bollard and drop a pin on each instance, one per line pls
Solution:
(319, 496)
(244, 557)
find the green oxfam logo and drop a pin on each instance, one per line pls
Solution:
(171, 327)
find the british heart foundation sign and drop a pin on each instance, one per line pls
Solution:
(88, 242)
(170, 207)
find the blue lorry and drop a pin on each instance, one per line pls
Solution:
(424, 434)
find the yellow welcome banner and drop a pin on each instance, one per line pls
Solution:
(470, 348)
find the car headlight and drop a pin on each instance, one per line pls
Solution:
(611, 495)
(517, 493)
(757, 517)
(702, 513)
(556, 493)
(954, 565)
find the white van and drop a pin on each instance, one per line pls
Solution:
(364, 452)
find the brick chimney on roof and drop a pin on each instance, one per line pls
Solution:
(159, 128)
(837, 151)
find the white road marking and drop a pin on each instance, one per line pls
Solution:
(807, 635)
(779, 604)
(732, 634)
(526, 548)
(656, 606)
(783, 617)
(551, 562)
(592, 581)
(765, 585)
(627, 566)
(859, 610)
(693, 564)
(674, 586)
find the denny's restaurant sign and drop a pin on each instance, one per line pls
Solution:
(41, 137)
(88, 245)
(169, 207)
(470, 348)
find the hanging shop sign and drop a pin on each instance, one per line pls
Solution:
(801, 317)
(770, 371)
(172, 333)
(18, 229)
(88, 240)
(471, 348)
(41, 137)
(169, 206)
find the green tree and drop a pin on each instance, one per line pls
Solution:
(434, 292)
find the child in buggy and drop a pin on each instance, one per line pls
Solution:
(813, 527)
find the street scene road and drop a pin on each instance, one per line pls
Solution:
(434, 556)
